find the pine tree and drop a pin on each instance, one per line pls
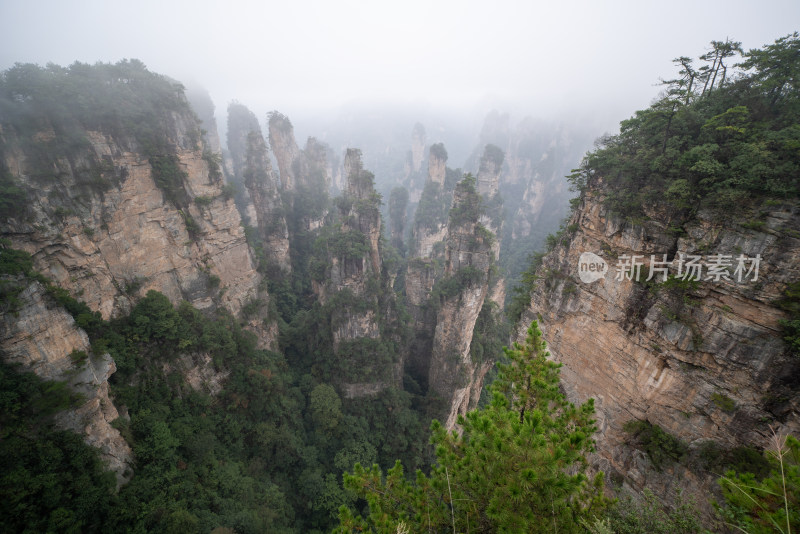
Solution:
(517, 465)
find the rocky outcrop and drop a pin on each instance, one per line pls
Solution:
(357, 291)
(199, 372)
(203, 106)
(704, 360)
(241, 121)
(398, 204)
(426, 263)
(109, 218)
(124, 234)
(488, 186)
(260, 182)
(538, 157)
(430, 222)
(253, 169)
(43, 338)
(453, 375)
(284, 146)
(307, 173)
(437, 164)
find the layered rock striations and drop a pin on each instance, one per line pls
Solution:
(109, 222)
(350, 281)
(253, 168)
(458, 297)
(120, 197)
(488, 186)
(241, 121)
(43, 338)
(284, 146)
(426, 260)
(307, 174)
(704, 360)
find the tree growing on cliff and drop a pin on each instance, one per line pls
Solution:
(518, 465)
(771, 504)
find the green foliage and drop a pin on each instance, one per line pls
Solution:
(169, 177)
(648, 516)
(123, 100)
(438, 150)
(733, 142)
(469, 206)
(740, 459)
(723, 402)
(12, 196)
(433, 205)
(214, 162)
(452, 286)
(203, 201)
(517, 466)
(661, 447)
(490, 332)
(16, 266)
(771, 504)
(494, 154)
(790, 303)
(521, 293)
(51, 481)
(325, 406)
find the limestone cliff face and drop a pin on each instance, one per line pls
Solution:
(40, 335)
(308, 172)
(284, 146)
(426, 263)
(704, 361)
(488, 186)
(430, 225)
(123, 236)
(253, 169)
(538, 155)
(437, 164)
(364, 215)
(414, 174)
(363, 312)
(453, 375)
(318, 163)
(241, 121)
(203, 106)
(260, 182)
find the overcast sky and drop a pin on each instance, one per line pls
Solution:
(300, 57)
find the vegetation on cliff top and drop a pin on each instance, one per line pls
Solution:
(50, 109)
(715, 139)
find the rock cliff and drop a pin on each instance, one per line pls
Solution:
(453, 375)
(704, 360)
(121, 197)
(354, 286)
(488, 186)
(43, 337)
(426, 261)
(123, 234)
(252, 167)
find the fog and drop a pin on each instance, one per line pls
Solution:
(316, 61)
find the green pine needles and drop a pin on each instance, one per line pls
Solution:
(518, 465)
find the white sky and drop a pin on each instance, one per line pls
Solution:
(588, 58)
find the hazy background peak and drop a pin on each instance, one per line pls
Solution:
(586, 59)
